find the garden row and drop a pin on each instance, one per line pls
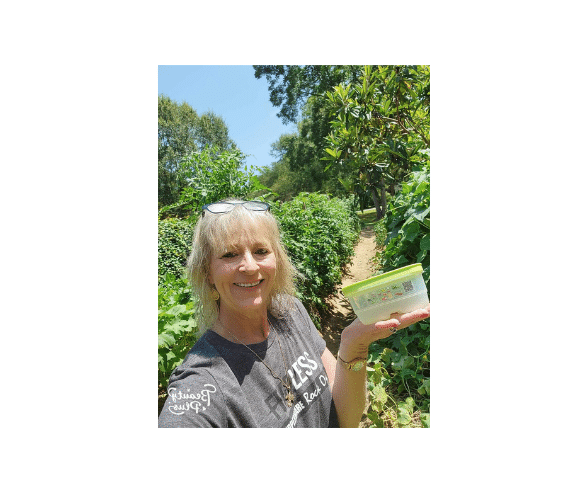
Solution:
(399, 366)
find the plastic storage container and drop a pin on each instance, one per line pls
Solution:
(401, 290)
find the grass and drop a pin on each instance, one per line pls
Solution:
(367, 218)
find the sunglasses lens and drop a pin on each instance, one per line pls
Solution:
(220, 207)
(256, 206)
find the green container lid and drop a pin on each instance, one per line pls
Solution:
(386, 278)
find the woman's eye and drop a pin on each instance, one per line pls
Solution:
(262, 251)
(228, 255)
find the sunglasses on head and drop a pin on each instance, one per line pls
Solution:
(224, 207)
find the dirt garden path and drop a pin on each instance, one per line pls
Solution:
(362, 267)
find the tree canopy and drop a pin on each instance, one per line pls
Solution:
(181, 131)
(298, 92)
(360, 128)
(381, 126)
(291, 85)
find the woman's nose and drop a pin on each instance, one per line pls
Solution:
(248, 264)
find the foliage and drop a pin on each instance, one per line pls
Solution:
(279, 177)
(177, 330)
(290, 85)
(380, 124)
(400, 365)
(174, 240)
(284, 183)
(299, 167)
(402, 361)
(368, 121)
(319, 234)
(386, 413)
(299, 92)
(181, 132)
(408, 224)
(212, 175)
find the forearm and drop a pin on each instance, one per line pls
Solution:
(349, 386)
(349, 395)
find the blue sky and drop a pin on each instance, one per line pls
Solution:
(233, 93)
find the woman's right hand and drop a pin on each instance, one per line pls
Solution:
(357, 337)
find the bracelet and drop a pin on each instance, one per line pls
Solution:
(353, 365)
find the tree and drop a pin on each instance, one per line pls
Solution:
(299, 92)
(291, 85)
(181, 132)
(279, 177)
(299, 169)
(381, 127)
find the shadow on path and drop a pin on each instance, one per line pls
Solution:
(339, 313)
(337, 317)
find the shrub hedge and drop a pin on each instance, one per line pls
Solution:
(173, 247)
(319, 234)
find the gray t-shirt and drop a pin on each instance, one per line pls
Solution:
(221, 384)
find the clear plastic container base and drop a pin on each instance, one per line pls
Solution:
(382, 311)
(402, 290)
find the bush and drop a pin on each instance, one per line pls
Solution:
(402, 361)
(407, 225)
(212, 175)
(177, 330)
(173, 247)
(319, 234)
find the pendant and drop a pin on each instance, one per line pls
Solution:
(289, 398)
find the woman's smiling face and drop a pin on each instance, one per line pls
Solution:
(244, 273)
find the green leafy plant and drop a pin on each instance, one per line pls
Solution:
(174, 240)
(384, 411)
(405, 357)
(380, 125)
(407, 225)
(177, 330)
(182, 131)
(402, 361)
(319, 233)
(211, 175)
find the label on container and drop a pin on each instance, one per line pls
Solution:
(384, 294)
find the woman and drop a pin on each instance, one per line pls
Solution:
(262, 362)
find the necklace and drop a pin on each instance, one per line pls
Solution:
(289, 397)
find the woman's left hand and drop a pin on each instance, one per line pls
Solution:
(356, 338)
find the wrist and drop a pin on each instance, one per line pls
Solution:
(352, 347)
(349, 352)
(355, 364)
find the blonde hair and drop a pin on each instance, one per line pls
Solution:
(212, 234)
